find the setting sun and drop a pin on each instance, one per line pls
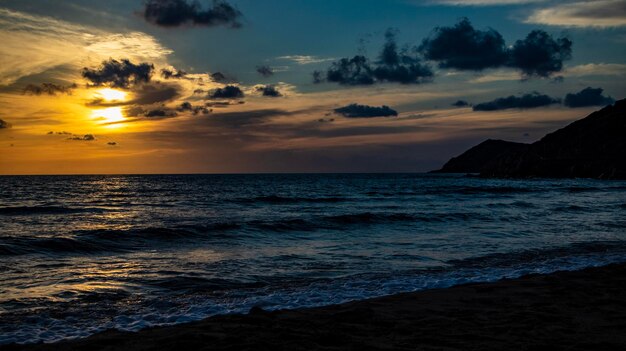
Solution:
(109, 94)
(108, 115)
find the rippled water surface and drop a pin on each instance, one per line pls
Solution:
(80, 254)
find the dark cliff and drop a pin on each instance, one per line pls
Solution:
(593, 147)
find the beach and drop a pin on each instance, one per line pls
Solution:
(579, 310)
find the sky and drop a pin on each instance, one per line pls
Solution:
(265, 86)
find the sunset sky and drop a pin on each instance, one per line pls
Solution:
(172, 86)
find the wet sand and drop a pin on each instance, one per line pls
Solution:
(583, 310)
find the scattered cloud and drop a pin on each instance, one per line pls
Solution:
(227, 92)
(265, 71)
(600, 69)
(172, 73)
(188, 107)
(162, 113)
(176, 13)
(532, 100)
(465, 48)
(599, 13)
(269, 91)
(48, 89)
(86, 137)
(119, 74)
(587, 97)
(305, 59)
(540, 55)
(394, 65)
(364, 111)
(461, 103)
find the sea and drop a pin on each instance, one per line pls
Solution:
(82, 254)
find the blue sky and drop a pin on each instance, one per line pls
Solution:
(300, 131)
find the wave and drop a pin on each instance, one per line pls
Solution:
(524, 257)
(274, 199)
(43, 210)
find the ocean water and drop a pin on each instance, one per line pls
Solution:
(80, 254)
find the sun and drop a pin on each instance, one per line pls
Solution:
(108, 94)
(109, 115)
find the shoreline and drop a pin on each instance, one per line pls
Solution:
(574, 310)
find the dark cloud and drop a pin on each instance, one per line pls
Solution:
(364, 111)
(86, 137)
(219, 77)
(227, 92)
(167, 73)
(531, 100)
(112, 143)
(119, 74)
(161, 112)
(176, 13)
(587, 97)
(265, 71)
(354, 71)
(540, 54)
(152, 94)
(465, 48)
(461, 103)
(188, 107)
(4, 124)
(269, 90)
(48, 89)
(394, 65)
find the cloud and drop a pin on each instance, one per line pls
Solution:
(4, 124)
(394, 65)
(86, 137)
(34, 44)
(600, 69)
(48, 89)
(269, 90)
(461, 103)
(162, 112)
(227, 92)
(540, 55)
(219, 77)
(599, 13)
(304, 59)
(176, 13)
(587, 97)
(465, 48)
(532, 100)
(364, 111)
(265, 71)
(170, 73)
(112, 143)
(119, 74)
(188, 107)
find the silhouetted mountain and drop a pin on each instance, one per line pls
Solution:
(481, 156)
(593, 147)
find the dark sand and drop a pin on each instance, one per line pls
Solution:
(584, 310)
